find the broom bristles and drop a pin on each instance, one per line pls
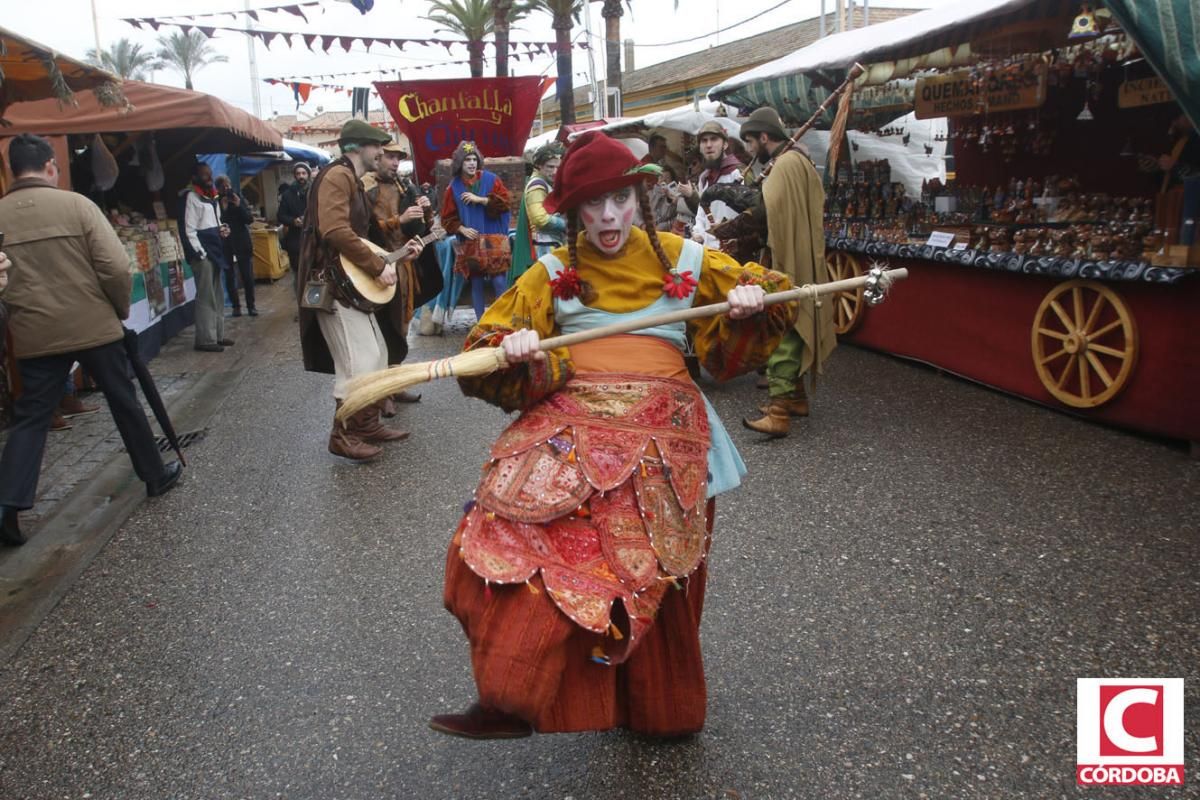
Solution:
(375, 386)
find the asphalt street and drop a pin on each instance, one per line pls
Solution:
(901, 598)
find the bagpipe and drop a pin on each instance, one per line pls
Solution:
(744, 235)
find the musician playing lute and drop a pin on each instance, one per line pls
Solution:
(346, 341)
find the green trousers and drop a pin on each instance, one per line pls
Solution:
(783, 367)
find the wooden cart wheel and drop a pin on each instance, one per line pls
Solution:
(1084, 343)
(847, 306)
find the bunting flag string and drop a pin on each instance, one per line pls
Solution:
(316, 82)
(294, 38)
(302, 88)
(295, 9)
(314, 76)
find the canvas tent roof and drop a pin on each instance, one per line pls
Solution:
(186, 121)
(937, 37)
(305, 152)
(685, 119)
(30, 72)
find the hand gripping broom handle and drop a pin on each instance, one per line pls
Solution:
(715, 309)
(370, 388)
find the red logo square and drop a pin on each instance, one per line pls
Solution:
(1132, 722)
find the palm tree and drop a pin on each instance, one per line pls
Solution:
(125, 60)
(504, 13)
(187, 52)
(565, 13)
(612, 11)
(473, 20)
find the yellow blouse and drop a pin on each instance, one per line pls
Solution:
(630, 281)
(535, 208)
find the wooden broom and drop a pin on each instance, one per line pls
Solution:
(373, 387)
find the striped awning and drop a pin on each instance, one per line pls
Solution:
(938, 38)
(1168, 34)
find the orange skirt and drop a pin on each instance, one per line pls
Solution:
(530, 660)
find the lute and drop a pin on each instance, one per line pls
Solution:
(360, 287)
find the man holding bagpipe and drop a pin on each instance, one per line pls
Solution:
(791, 209)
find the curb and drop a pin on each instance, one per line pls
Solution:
(36, 577)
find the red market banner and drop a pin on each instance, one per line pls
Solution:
(435, 115)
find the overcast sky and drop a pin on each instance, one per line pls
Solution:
(651, 22)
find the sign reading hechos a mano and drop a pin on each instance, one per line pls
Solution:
(960, 93)
(435, 115)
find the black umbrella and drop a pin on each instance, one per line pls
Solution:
(146, 381)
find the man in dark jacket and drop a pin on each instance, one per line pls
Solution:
(239, 247)
(68, 292)
(292, 205)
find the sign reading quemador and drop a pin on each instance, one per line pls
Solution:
(957, 94)
(495, 113)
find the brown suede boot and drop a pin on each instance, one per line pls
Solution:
(796, 403)
(344, 442)
(478, 722)
(388, 408)
(367, 425)
(775, 423)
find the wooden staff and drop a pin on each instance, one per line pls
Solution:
(373, 387)
(851, 77)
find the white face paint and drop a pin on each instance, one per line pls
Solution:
(470, 166)
(607, 219)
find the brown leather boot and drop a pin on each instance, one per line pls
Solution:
(775, 423)
(478, 722)
(796, 404)
(72, 406)
(367, 425)
(345, 442)
(388, 409)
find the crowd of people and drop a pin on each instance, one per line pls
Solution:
(598, 501)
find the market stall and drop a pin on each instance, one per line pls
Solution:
(1057, 258)
(134, 162)
(260, 176)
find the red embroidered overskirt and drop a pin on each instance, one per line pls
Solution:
(601, 489)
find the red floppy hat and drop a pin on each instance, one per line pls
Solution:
(595, 163)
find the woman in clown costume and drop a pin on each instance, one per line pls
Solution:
(578, 570)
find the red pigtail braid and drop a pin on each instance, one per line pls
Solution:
(586, 293)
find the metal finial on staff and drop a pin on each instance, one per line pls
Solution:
(879, 280)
